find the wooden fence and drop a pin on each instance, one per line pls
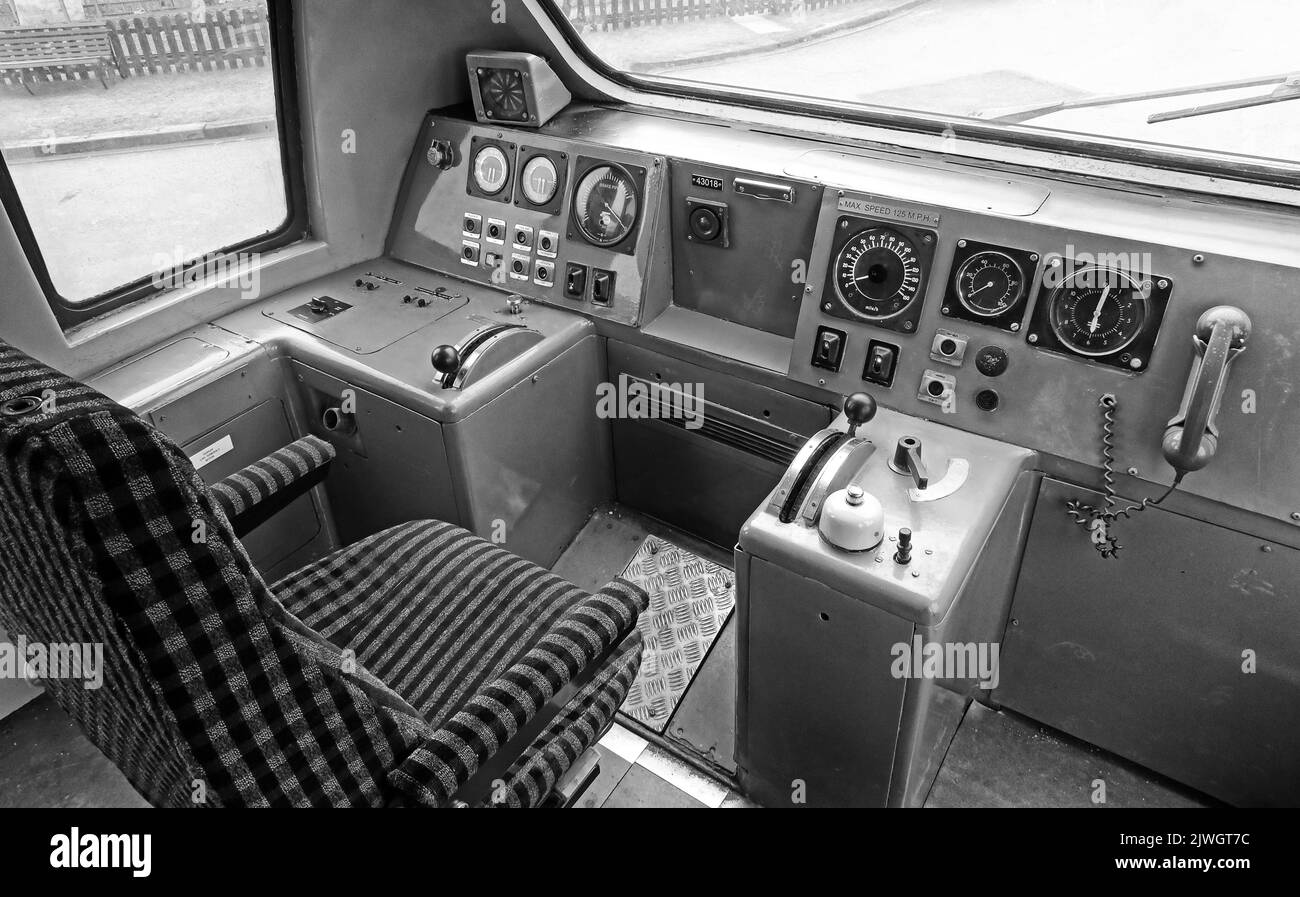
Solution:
(109, 9)
(606, 15)
(222, 39)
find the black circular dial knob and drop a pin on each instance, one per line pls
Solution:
(992, 361)
(877, 274)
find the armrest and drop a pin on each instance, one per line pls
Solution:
(460, 761)
(251, 496)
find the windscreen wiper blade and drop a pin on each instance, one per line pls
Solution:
(1289, 89)
(1018, 114)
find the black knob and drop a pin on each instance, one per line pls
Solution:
(446, 360)
(904, 553)
(859, 408)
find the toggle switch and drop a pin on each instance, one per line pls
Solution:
(602, 287)
(575, 280)
(828, 348)
(882, 361)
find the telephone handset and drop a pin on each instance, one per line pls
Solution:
(1191, 437)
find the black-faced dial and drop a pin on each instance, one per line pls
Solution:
(877, 274)
(1097, 311)
(989, 283)
(605, 205)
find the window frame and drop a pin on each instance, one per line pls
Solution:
(1215, 168)
(296, 226)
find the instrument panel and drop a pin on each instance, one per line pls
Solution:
(552, 221)
(1003, 306)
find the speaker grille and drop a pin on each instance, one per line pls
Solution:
(503, 93)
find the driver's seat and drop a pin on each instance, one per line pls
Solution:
(421, 666)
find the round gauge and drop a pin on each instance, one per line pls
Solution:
(491, 170)
(877, 273)
(605, 205)
(539, 180)
(990, 283)
(1096, 311)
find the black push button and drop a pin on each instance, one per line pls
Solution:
(828, 348)
(602, 286)
(992, 361)
(575, 280)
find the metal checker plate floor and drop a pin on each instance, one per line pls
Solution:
(690, 600)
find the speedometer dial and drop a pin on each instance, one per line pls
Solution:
(1098, 311)
(989, 283)
(605, 205)
(877, 274)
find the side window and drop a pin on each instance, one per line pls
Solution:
(148, 143)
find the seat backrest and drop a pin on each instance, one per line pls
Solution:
(212, 694)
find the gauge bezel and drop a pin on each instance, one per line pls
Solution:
(964, 299)
(561, 163)
(847, 229)
(1011, 320)
(1137, 350)
(478, 145)
(635, 175)
(1057, 294)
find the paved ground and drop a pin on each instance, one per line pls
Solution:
(78, 109)
(102, 219)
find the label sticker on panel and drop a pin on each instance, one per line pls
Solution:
(204, 457)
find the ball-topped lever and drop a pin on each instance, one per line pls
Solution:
(446, 360)
(859, 408)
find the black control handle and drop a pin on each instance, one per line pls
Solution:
(446, 360)
(858, 409)
(907, 460)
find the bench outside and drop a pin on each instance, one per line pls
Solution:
(29, 53)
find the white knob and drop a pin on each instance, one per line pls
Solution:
(852, 520)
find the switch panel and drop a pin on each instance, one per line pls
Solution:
(882, 362)
(828, 348)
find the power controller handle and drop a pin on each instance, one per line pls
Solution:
(1191, 438)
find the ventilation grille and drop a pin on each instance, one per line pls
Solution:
(732, 435)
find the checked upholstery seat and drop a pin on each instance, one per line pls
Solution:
(388, 673)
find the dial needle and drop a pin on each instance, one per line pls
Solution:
(1096, 314)
(982, 289)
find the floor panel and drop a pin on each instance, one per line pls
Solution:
(1000, 759)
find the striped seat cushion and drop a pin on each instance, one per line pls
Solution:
(436, 612)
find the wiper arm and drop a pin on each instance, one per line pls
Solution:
(1289, 89)
(1287, 83)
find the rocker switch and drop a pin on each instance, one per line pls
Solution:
(828, 349)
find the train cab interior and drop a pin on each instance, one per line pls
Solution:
(868, 403)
